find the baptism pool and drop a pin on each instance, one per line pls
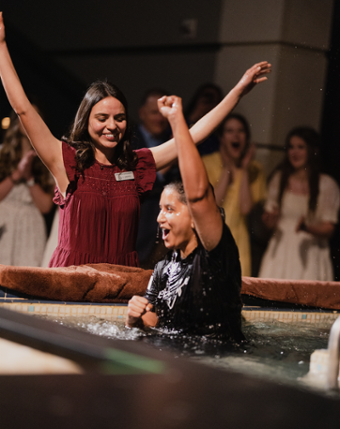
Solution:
(279, 346)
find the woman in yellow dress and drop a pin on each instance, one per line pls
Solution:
(238, 180)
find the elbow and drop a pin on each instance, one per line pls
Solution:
(20, 111)
(198, 195)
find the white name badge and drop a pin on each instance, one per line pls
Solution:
(126, 175)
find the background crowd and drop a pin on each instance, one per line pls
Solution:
(281, 224)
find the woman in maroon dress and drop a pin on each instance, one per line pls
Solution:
(99, 179)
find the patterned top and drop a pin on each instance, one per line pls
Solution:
(201, 293)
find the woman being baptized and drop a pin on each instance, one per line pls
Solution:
(196, 288)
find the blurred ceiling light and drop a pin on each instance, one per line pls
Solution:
(5, 123)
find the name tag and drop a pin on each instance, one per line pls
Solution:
(126, 175)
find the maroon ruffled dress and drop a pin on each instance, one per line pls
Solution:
(98, 220)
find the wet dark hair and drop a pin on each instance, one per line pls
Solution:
(79, 138)
(179, 188)
(152, 92)
(313, 140)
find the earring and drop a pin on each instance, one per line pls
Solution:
(158, 234)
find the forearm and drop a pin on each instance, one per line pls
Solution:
(166, 153)
(193, 173)
(12, 85)
(47, 146)
(148, 320)
(5, 187)
(321, 230)
(209, 122)
(41, 199)
(245, 197)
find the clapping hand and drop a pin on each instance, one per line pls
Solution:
(249, 155)
(25, 165)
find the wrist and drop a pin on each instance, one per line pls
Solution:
(134, 322)
(237, 92)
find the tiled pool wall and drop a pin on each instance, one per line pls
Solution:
(119, 312)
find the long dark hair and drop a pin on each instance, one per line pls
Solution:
(312, 139)
(79, 138)
(11, 154)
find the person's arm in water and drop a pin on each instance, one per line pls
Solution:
(47, 146)
(139, 314)
(167, 152)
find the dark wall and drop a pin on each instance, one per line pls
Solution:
(135, 44)
(330, 150)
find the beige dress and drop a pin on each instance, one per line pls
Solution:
(234, 219)
(300, 255)
(22, 229)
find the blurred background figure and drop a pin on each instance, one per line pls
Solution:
(152, 131)
(302, 211)
(238, 181)
(26, 190)
(206, 97)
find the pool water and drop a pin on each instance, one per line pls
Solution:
(275, 350)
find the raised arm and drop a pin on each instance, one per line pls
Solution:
(166, 153)
(47, 146)
(198, 191)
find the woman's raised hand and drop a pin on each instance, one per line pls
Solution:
(253, 76)
(170, 106)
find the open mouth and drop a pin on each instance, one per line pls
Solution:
(165, 233)
(236, 145)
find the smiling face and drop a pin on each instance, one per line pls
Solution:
(297, 153)
(106, 126)
(234, 138)
(176, 223)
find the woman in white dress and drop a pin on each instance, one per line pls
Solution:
(26, 191)
(302, 210)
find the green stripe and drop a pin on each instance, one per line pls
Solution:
(120, 362)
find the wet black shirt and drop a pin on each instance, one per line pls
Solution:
(201, 293)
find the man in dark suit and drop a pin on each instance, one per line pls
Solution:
(152, 131)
